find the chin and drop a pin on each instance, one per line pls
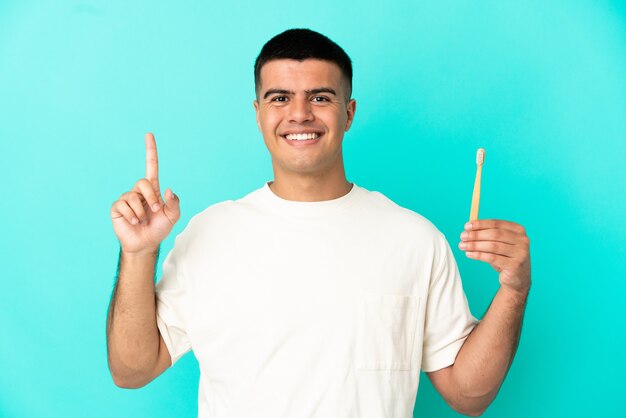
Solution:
(300, 168)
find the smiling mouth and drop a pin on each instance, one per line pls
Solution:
(302, 137)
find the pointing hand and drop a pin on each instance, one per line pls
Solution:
(141, 219)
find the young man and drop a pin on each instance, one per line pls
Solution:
(310, 296)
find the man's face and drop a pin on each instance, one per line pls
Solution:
(306, 98)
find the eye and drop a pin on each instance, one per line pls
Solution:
(320, 99)
(279, 99)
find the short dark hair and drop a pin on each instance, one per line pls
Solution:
(301, 44)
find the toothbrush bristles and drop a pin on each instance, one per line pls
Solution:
(480, 156)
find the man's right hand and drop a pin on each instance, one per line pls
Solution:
(141, 219)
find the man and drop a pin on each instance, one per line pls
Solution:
(310, 296)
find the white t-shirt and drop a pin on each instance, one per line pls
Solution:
(311, 309)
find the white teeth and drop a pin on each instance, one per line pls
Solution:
(301, 137)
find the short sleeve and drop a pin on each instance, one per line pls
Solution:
(171, 308)
(448, 320)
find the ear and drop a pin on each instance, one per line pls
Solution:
(255, 103)
(351, 109)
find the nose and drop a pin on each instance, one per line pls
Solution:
(300, 111)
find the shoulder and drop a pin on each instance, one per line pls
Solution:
(398, 217)
(215, 215)
(404, 230)
(216, 218)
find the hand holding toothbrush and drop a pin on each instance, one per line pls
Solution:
(502, 244)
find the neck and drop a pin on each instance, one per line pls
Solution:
(310, 187)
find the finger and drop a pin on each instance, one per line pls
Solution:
(494, 223)
(152, 161)
(492, 247)
(498, 235)
(172, 206)
(136, 203)
(152, 197)
(120, 209)
(498, 262)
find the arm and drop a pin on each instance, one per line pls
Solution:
(473, 381)
(141, 220)
(137, 353)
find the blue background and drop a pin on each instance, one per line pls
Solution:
(540, 85)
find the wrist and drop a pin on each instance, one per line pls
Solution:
(520, 294)
(137, 263)
(146, 253)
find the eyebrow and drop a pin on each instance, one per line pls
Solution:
(312, 91)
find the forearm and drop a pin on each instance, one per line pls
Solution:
(487, 354)
(132, 333)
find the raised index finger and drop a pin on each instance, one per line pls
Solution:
(152, 161)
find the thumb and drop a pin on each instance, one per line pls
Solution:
(172, 206)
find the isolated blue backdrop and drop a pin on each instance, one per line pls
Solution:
(540, 85)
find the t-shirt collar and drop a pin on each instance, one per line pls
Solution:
(295, 208)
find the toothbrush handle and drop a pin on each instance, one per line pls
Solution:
(476, 195)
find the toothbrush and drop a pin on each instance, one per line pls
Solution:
(480, 159)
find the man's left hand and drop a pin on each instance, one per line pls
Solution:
(502, 244)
